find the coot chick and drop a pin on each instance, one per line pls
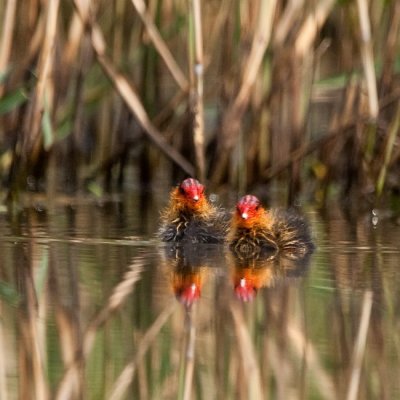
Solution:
(191, 218)
(255, 230)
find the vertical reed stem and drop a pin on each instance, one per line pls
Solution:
(197, 89)
(251, 369)
(392, 133)
(360, 346)
(32, 138)
(190, 350)
(6, 37)
(3, 380)
(368, 58)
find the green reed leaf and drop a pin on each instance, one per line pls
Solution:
(13, 100)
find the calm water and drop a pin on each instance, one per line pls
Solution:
(93, 307)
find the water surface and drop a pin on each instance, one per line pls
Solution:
(93, 307)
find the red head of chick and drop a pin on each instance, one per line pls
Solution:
(250, 226)
(249, 213)
(189, 195)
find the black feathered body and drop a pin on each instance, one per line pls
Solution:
(193, 228)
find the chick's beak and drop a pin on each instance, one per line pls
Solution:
(244, 215)
(196, 197)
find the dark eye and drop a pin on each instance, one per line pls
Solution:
(257, 207)
(181, 190)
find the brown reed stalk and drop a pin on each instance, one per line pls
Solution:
(30, 328)
(31, 53)
(214, 38)
(367, 58)
(359, 347)
(279, 365)
(231, 121)
(6, 37)
(126, 377)
(75, 34)
(296, 88)
(251, 372)
(286, 21)
(189, 354)
(304, 348)
(197, 105)
(160, 45)
(390, 47)
(70, 348)
(311, 26)
(392, 133)
(129, 95)
(32, 139)
(68, 325)
(3, 369)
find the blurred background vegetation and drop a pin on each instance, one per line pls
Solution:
(95, 94)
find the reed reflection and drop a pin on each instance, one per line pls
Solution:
(251, 272)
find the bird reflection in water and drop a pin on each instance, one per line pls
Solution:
(188, 268)
(250, 272)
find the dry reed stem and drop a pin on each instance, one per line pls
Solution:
(32, 129)
(392, 134)
(189, 355)
(197, 90)
(286, 21)
(31, 53)
(6, 37)
(32, 331)
(259, 45)
(359, 347)
(232, 118)
(125, 378)
(390, 48)
(311, 25)
(75, 34)
(280, 367)
(304, 348)
(160, 45)
(3, 373)
(69, 349)
(115, 301)
(214, 37)
(250, 368)
(129, 95)
(367, 58)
